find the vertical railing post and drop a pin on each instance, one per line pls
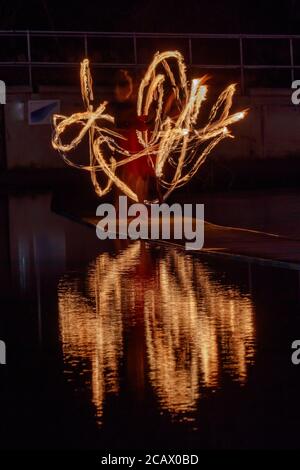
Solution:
(292, 59)
(86, 52)
(190, 51)
(135, 50)
(29, 59)
(242, 66)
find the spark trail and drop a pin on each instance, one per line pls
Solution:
(175, 140)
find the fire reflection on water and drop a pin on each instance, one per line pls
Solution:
(194, 329)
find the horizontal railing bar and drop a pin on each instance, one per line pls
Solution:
(145, 35)
(271, 67)
(131, 64)
(66, 64)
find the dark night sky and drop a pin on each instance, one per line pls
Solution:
(215, 16)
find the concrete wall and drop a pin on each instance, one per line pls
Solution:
(271, 129)
(29, 146)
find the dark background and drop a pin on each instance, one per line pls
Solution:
(215, 16)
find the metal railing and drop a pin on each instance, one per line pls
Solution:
(28, 60)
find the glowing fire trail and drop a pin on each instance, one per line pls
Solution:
(175, 141)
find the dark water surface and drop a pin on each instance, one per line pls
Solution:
(139, 345)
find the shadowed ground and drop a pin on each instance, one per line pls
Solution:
(270, 232)
(235, 242)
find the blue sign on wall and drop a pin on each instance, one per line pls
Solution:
(41, 111)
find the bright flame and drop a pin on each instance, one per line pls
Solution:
(175, 141)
